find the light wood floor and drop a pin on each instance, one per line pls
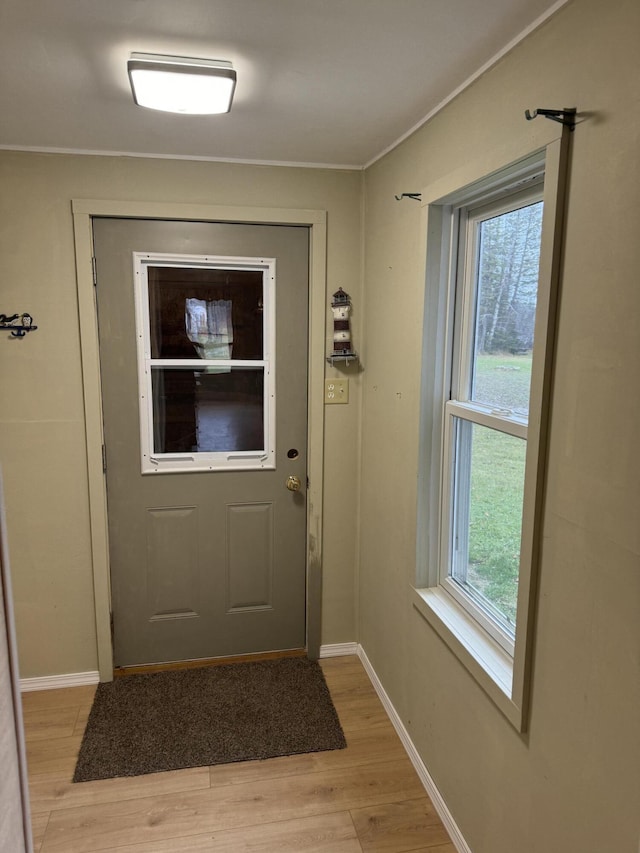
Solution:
(361, 799)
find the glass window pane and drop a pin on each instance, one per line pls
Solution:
(209, 410)
(487, 517)
(507, 288)
(205, 313)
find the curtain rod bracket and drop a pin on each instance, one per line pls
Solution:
(566, 117)
(414, 196)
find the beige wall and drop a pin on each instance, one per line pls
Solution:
(42, 432)
(572, 784)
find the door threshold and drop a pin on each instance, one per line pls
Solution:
(149, 668)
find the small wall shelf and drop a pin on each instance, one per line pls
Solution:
(345, 359)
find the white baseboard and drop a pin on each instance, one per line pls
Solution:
(430, 786)
(78, 679)
(337, 650)
(54, 682)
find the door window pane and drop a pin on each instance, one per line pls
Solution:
(205, 313)
(209, 410)
(505, 306)
(487, 517)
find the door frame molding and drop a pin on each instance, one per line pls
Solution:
(316, 220)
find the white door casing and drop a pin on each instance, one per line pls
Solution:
(83, 211)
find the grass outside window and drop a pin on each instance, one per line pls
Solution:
(495, 506)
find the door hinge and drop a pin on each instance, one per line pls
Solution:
(104, 459)
(111, 627)
(94, 270)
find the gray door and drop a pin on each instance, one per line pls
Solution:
(208, 545)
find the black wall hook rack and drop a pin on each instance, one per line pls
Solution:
(414, 196)
(566, 117)
(17, 324)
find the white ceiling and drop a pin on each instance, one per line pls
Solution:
(332, 82)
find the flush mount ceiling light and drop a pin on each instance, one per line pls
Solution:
(178, 84)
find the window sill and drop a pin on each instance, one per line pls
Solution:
(483, 658)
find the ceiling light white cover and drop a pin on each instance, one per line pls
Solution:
(180, 84)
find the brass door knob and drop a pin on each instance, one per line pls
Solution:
(293, 483)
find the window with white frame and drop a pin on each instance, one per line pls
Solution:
(492, 268)
(206, 343)
(487, 410)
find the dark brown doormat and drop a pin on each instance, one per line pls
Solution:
(210, 715)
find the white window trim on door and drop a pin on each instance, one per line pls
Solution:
(179, 463)
(316, 220)
(501, 669)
